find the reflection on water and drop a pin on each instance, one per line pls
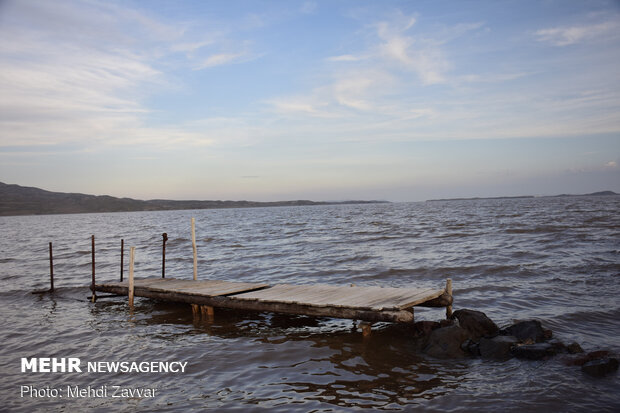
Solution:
(556, 260)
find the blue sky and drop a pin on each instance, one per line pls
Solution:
(322, 100)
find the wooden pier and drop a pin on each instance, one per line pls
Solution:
(371, 304)
(367, 304)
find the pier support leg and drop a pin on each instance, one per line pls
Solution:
(366, 328)
(207, 313)
(449, 291)
(196, 311)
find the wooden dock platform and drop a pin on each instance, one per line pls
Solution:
(370, 304)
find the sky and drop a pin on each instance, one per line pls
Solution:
(321, 100)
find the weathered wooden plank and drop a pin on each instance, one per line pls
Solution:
(202, 287)
(386, 303)
(443, 300)
(323, 295)
(253, 305)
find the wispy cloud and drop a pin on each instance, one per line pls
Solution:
(569, 35)
(63, 85)
(63, 81)
(221, 59)
(422, 56)
(309, 7)
(190, 47)
(314, 106)
(394, 58)
(345, 58)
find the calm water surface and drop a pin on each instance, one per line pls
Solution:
(553, 259)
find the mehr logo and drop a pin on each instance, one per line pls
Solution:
(51, 365)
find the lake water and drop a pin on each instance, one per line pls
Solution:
(552, 259)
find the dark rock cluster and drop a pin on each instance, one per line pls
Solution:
(471, 333)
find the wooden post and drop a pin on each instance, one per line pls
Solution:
(132, 252)
(122, 256)
(449, 291)
(92, 286)
(163, 255)
(194, 249)
(51, 269)
(366, 328)
(206, 312)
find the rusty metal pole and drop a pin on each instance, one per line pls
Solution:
(51, 269)
(163, 255)
(130, 284)
(122, 255)
(92, 286)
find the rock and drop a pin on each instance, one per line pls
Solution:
(476, 323)
(497, 348)
(446, 342)
(424, 328)
(574, 348)
(471, 347)
(525, 330)
(557, 345)
(581, 360)
(600, 367)
(536, 351)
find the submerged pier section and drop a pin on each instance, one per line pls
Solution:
(370, 304)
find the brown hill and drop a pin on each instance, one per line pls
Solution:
(21, 200)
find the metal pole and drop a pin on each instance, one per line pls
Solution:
(92, 286)
(51, 269)
(122, 255)
(194, 248)
(130, 285)
(163, 255)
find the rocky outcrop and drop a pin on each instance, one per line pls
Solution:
(535, 351)
(497, 348)
(574, 348)
(530, 330)
(424, 328)
(471, 333)
(446, 342)
(476, 323)
(600, 367)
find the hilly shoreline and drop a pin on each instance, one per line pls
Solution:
(600, 193)
(22, 200)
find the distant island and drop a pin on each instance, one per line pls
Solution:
(22, 200)
(601, 193)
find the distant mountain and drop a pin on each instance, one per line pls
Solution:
(601, 193)
(21, 200)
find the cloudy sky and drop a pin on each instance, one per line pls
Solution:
(322, 100)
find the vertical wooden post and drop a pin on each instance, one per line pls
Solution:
(366, 328)
(132, 252)
(51, 269)
(207, 313)
(194, 249)
(163, 255)
(449, 291)
(122, 256)
(92, 286)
